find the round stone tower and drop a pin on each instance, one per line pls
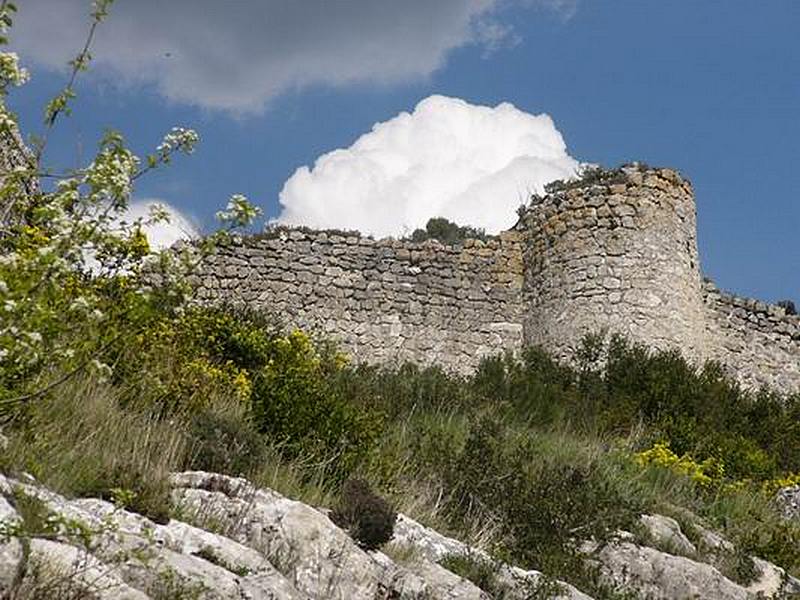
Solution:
(615, 250)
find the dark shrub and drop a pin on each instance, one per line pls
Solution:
(538, 390)
(368, 518)
(789, 306)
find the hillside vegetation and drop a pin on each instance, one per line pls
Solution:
(527, 458)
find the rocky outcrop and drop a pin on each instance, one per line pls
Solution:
(233, 540)
(662, 563)
(655, 574)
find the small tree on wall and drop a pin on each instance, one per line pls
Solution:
(446, 232)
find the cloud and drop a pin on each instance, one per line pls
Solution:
(471, 164)
(238, 55)
(162, 235)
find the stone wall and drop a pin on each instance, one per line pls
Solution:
(385, 299)
(757, 342)
(13, 155)
(616, 251)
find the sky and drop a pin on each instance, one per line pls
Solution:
(378, 114)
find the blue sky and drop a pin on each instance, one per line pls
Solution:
(711, 88)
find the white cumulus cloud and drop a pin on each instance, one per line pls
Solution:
(237, 55)
(471, 164)
(161, 235)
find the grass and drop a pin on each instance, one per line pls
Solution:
(82, 443)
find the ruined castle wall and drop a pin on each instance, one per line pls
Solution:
(385, 299)
(617, 251)
(620, 253)
(758, 343)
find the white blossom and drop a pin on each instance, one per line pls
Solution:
(10, 71)
(102, 369)
(111, 175)
(239, 212)
(178, 139)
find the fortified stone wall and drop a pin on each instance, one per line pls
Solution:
(385, 299)
(616, 250)
(758, 342)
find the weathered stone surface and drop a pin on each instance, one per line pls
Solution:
(146, 556)
(658, 575)
(429, 543)
(382, 299)
(621, 256)
(265, 546)
(773, 582)
(433, 547)
(443, 584)
(11, 551)
(320, 559)
(62, 566)
(11, 556)
(667, 535)
(711, 542)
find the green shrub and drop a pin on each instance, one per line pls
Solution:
(548, 491)
(225, 443)
(403, 389)
(368, 518)
(206, 354)
(618, 387)
(447, 232)
(294, 405)
(538, 390)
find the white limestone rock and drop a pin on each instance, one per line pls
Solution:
(658, 575)
(320, 559)
(788, 501)
(11, 552)
(443, 584)
(667, 534)
(434, 547)
(773, 582)
(64, 566)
